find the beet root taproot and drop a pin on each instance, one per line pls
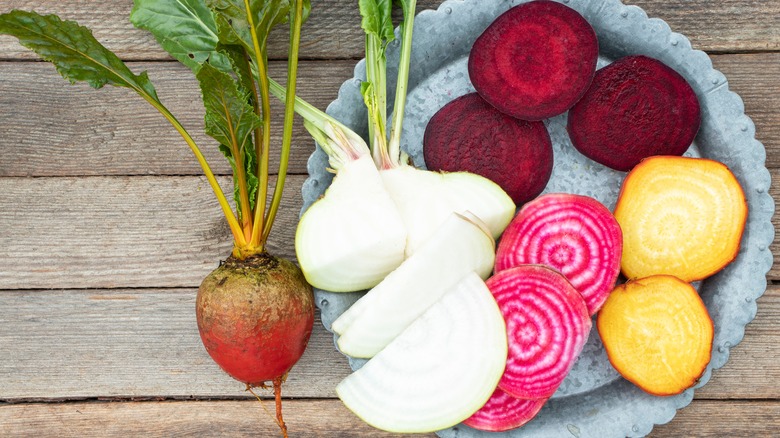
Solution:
(635, 108)
(470, 135)
(535, 60)
(255, 317)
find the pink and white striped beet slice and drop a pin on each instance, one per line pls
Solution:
(503, 412)
(547, 325)
(574, 234)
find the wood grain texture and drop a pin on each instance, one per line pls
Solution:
(50, 128)
(131, 344)
(110, 232)
(333, 30)
(126, 343)
(53, 129)
(316, 418)
(304, 418)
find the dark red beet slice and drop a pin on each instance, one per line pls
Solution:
(547, 325)
(636, 107)
(503, 412)
(468, 134)
(534, 61)
(576, 235)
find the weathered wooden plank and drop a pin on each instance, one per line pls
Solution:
(333, 30)
(755, 78)
(144, 343)
(130, 231)
(304, 418)
(309, 418)
(129, 343)
(720, 26)
(717, 419)
(752, 366)
(121, 231)
(53, 129)
(50, 128)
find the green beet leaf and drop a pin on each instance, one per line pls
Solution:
(77, 55)
(184, 28)
(377, 19)
(230, 120)
(233, 21)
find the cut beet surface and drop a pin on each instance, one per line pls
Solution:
(636, 107)
(534, 61)
(503, 412)
(468, 134)
(576, 235)
(547, 325)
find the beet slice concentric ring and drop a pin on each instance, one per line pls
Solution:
(547, 327)
(503, 412)
(574, 234)
(635, 108)
(534, 61)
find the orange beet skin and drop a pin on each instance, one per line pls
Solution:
(255, 317)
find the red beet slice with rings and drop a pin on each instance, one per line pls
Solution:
(503, 412)
(547, 327)
(576, 235)
(534, 61)
(468, 134)
(636, 107)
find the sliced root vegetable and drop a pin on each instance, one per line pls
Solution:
(458, 247)
(657, 333)
(574, 234)
(503, 412)
(350, 239)
(426, 199)
(547, 327)
(468, 134)
(534, 61)
(439, 371)
(680, 216)
(636, 107)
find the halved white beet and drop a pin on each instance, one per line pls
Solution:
(458, 247)
(425, 199)
(439, 371)
(350, 239)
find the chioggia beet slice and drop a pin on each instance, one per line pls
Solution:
(534, 61)
(680, 216)
(574, 234)
(547, 327)
(438, 371)
(635, 108)
(503, 412)
(468, 134)
(657, 333)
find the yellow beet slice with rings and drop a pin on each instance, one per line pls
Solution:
(680, 216)
(657, 333)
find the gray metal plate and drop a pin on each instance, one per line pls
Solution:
(593, 401)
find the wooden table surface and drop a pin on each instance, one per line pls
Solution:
(107, 227)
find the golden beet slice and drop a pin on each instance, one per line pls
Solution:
(657, 333)
(680, 216)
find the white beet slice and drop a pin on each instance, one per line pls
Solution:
(439, 371)
(458, 247)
